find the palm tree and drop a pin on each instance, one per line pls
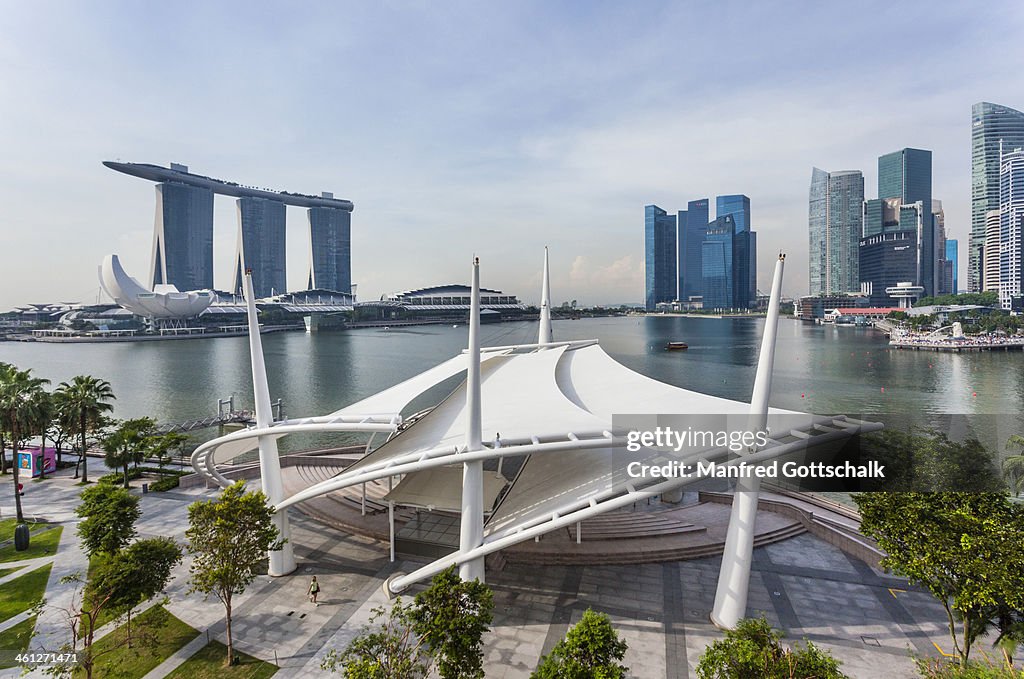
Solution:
(87, 397)
(1013, 466)
(23, 412)
(6, 369)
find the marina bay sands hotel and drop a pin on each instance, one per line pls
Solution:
(183, 232)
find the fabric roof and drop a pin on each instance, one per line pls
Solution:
(441, 489)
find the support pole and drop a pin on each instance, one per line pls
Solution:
(734, 577)
(391, 527)
(471, 524)
(545, 336)
(282, 561)
(362, 501)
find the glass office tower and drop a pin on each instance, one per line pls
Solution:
(953, 257)
(330, 249)
(1011, 225)
(261, 245)
(693, 224)
(736, 205)
(717, 263)
(990, 125)
(836, 223)
(907, 174)
(183, 237)
(660, 279)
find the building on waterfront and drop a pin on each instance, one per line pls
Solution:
(440, 302)
(261, 245)
(814, 307)
(991, 125)
(183, 231)
(953, 264)
(692, 226)
(660, 258)
(744, 249)
(165, 302)
(907, 175)
(330, 247)
(943, 267)
(717, 261)
(182, 236)
(701, 243)
(990, 253)
(836, 219)
(887, 259)
(1011, 226)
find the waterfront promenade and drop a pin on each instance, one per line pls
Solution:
(803, 585)
(926, 342)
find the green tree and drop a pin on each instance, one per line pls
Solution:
(89, 399)
(591, 650)
(451, 617)
(23, 413)
(141, 570)
(967, 549)
(136, 574)
(162, 445)
(442, 628)
(229, 538)
(108, 517)
(386, 648)
(1013, 465)
(753, 651)
(931, 461)
(62, 424)
(129, 443)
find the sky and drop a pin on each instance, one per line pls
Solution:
(487, 128)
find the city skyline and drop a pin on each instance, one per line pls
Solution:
(496, 141)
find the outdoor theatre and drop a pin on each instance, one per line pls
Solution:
(553, 403)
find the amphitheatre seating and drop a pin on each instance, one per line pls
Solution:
(349, 497)
(619, 525)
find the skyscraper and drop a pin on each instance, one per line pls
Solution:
(907, 174)
(990, 253)
(717, 263)
(1011, 225)
(836, 223)
(953, 257)
(661, 280)
(330, 249)
(744, 249)
(261, 245)
(886, 259)
(736, 205)
(693, 224)
(183, 237)
(990, 125)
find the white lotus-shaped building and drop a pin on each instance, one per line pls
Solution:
(163, 302)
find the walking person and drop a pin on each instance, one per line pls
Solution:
(314, 590)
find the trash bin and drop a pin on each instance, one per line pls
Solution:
(21, 537)
(145, 488)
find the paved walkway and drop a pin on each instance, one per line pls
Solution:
(802, 585)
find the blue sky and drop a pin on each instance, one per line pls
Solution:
(489, 128)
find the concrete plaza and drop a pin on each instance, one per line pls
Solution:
(802, 585)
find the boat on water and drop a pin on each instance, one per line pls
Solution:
(676, 346)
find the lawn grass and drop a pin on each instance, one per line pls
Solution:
(208, 663)
(116, 659)
(7, 528)
(22, 593)
(7, 571)
(15, 640)
(44, 544)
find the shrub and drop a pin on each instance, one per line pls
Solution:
(753, 650)
(166, 483)
(591, 650)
